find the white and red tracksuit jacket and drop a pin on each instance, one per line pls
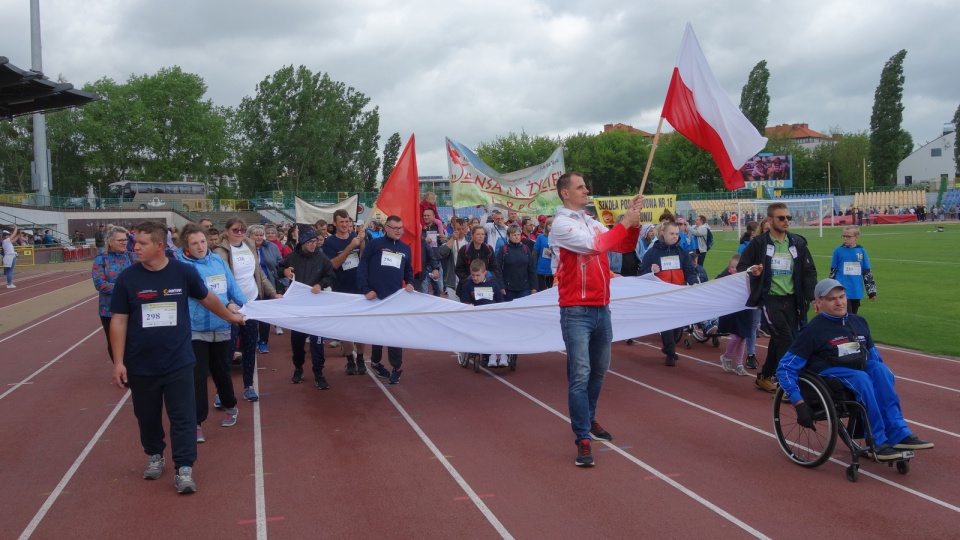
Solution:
(580, 245)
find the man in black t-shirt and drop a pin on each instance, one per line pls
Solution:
(152, 352)
(344, 249)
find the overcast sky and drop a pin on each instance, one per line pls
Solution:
(476, 70)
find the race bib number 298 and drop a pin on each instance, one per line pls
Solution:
(159, 314)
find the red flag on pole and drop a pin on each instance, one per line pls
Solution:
(697, 107)
(400, 196)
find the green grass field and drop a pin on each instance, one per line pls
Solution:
(917, 272)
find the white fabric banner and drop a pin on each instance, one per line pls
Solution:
(532, 190)
(639, 306)
(310, 213)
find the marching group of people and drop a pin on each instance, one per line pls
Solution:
(169, 302)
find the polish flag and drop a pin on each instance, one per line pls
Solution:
(697, 107)
(400, 196)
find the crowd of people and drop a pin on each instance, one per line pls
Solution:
(181, 290)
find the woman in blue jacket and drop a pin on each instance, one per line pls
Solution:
(211, 334)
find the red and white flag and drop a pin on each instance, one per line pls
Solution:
(697, 107)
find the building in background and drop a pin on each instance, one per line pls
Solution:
(932, 162)
(800, 133)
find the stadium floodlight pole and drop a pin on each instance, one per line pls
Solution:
(653, 148)
(40, 159)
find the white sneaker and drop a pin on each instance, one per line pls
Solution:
(504, 360)
(279, 331)
(11, 286)
(726, 364)
(334, 344)
(741, 371)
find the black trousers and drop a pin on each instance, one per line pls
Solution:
(669, 340)
(212, 359)
(174, 391)
(853, 306)
(297, 341)
(105, 321)
(781, 314)
(394, 354)
(544, 281)
(264, 332)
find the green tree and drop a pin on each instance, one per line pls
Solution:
(956, 139)
(68, 162)
(515, 152)
(755, 99)
(846, 154)
(613, 162)
(306, 132)
(391, 153)
(806, 171)
(186, 135)
(16, 153)
(886, 135)
(679, 166)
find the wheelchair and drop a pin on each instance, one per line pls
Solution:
(836, 413)
(480, 360)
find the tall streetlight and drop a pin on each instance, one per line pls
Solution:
(40, 159)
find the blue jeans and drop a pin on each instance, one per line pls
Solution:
(587, 335)
(752, 336)
(8, 271)
(513, 295)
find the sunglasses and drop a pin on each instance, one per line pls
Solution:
(241, 231)
(784, 218)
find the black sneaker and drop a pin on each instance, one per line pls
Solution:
(752, 361)
(584, 455)
(322, 383)
(351, 367)
(598, 433)
(380, 370)
(297, 376)
(361, 366)
(913, 443)
(885, 453)
(395, 376)
(671, 360)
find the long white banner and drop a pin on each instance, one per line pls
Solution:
(531, 190)
(639, 306)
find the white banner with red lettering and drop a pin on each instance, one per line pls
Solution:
(639, 306)
(532, 190)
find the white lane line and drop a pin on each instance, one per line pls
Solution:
(52, 498)
(48, 364)
(891, 483)
(899, 378)
(673, 483)
(12, 291)
(945, 432)
(260, 497)
(902, 351)
(47, 319)
(484, 509)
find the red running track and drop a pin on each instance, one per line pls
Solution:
(452, 453)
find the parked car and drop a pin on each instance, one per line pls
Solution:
(76, 202)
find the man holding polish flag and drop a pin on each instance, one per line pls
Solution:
(697, 107)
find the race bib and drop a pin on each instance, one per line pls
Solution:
(846, 349)
(670, 263)
(782, 263)
(243, 258)
(483, 293)
(770, 250)
(352, 261)
(389, 258)
(159, 314)
(851, 269)
(217, 284)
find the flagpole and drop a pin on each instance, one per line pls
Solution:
(653, 148)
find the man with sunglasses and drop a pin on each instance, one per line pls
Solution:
(783, 289)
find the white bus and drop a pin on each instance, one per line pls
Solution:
(189, 196)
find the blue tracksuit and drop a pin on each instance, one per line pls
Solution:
(384, 267)
(826, 345)
(851, 267)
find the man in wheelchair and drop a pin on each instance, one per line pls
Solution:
(838, 344)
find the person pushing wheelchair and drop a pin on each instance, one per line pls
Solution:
(838, 344)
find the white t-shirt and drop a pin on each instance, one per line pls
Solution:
(244, 265)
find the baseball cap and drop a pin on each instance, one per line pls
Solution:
(825, 286)
(360, 223)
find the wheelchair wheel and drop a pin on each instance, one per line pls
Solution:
(477, 358)
(716, 342)
(686, 343)
(903, 467)
(806, 447)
